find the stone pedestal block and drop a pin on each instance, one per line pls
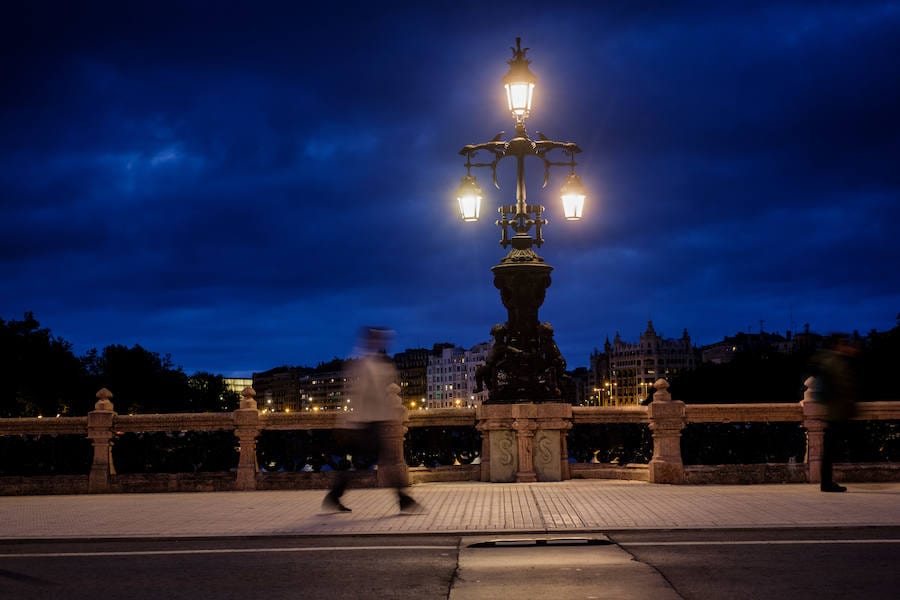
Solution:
(814, 421)
(667, 419)
(101, 433)
(392, 469)
(524, 442)
(246, 430)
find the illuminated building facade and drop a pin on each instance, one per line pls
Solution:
(278, 389)
(237, 384)
(412, 369)
(451, 376)
(325, 390)
(624, 373)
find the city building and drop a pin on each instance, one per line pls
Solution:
(451, 376)
(575, 387)
(327, 388)
(763, 343)
(237, 384)
(278, 389)
(742, 343)
(624, 373)
(287, 389)
(412, 369)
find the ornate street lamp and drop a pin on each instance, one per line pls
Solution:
(525, 364)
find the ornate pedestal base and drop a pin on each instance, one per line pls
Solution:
(392, 469)
(524, 442)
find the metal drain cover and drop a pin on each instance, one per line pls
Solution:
(507, 542)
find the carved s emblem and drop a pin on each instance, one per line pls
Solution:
(506, 445)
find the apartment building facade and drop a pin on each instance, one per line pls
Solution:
(451, 376)
(624, 373)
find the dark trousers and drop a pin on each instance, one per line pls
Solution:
(363, 443)
(835, 431)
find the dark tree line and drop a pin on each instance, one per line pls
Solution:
(765, 375)
(40, 375)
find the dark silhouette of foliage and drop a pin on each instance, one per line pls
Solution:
(208, 393)
(335, 364)
(41, 376)
(878, 363)
(141, 381)
(765, 375)
(39, 373)
(749, 378)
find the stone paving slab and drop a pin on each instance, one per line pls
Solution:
(464, 507)
(554, 571)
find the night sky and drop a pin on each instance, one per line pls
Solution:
(243, 184)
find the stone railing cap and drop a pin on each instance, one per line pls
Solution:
(103, 400)
(248, 397)
(662, 391)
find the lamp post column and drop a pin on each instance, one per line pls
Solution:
(524, 371)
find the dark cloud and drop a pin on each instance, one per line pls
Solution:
(242, 186)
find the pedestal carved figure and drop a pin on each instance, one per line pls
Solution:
(525, 364)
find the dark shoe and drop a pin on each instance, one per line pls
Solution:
(408, 505)
(332, 504)
(832, 487)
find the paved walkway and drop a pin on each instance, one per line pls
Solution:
(466, 508)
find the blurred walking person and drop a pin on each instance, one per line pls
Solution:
(835, 367)
(370, 427)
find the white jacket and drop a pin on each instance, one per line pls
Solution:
(373, 393)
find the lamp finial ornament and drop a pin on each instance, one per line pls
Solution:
(519, 52)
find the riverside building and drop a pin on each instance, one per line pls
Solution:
(624, 373)
(450, 376)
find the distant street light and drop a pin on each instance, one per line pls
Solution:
(525, 364)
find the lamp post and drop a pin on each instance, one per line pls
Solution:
(525, 364)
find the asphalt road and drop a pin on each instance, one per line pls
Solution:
(769, 564)
(772, 564)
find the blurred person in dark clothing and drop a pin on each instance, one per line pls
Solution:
(835, 368)
(376, 406)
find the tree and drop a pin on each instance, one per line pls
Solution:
(39, 373)
(41, 376)
(335, 364)
(210, 394)
(878, 364)
(141, 381)
(751, 377)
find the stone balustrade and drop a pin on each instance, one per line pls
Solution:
(665, 417)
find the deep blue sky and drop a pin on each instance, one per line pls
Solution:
(242, 185)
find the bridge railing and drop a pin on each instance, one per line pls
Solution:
(665, 419)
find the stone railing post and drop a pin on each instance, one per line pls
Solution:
(667, 419)
(246, 429)
(100, 431)
(392, 469)
(814, 413)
